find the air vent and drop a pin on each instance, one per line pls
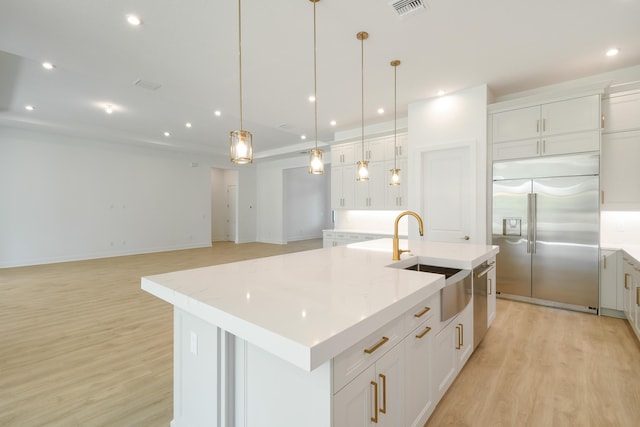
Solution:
(147, 84)
(406, 7)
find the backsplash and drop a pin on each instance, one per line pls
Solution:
(369, 221)
(619, 228)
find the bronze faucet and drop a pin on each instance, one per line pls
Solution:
(396, 243)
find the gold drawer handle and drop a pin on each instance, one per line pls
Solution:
(426, 331)
(376, 346)
(375, 399)
(423, 312)
(637, 296)
(626, 282)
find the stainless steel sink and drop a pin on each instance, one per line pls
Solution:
(448, 272)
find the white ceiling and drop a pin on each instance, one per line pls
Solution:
(190, 48)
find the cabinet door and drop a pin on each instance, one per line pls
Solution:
(464, 338)
(620, 112)
(418, 350)
(390, 374)
(375, 150)
(628, 272)
(620, 171)
(516, 149)
(522, 123)
(353, 406)
(608, 280)
(342, 154)
(399, 149)
(571, 143)
(444, 360)
(371, 194)
(572, 115)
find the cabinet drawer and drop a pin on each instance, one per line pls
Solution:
(426, 310)
(347, 365)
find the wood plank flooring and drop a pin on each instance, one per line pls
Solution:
(82, 345)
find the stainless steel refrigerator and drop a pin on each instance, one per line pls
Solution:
(546, 221)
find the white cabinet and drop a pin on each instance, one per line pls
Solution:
(343, 155)
(399, 149)
(562, 127)
(491, 293)
(620, 171)
(464, 335)
(343, 180)
(631, 299)
(611, 290)
(371, 194)
(353, 406)
(621, 111)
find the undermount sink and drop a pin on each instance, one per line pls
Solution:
(448, 272)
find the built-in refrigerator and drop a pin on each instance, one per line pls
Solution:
(546, 221)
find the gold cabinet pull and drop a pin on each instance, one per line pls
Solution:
(376, 345)
(626, 282)
(604, 261)
(375, 402)
(459, 343)
(383, 409)
(490, 286)
(602, 121)
(423, 312)
(638, 296)
(425, 332)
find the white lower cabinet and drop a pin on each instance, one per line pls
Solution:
(418, 352)
(374, 397)
(631, 292)
(611, 292)
(453, 347)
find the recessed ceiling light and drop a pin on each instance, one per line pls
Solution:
(48, 66)
(312, 98)
(217, 113)
(613, 51)
(109, 109)
(380, 110)
(332, 122)
(167, 134)
(134, 20)
(303, 136)
(188, 124)
(441, 92)
(30, 108)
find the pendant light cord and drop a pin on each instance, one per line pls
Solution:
(362, 88)
(240, 54)
(315, 76)
(395, 116)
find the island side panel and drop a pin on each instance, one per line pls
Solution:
(271, 392)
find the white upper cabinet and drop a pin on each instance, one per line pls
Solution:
(620, 171)
(562, 127)
(343, 155)
(621, 111)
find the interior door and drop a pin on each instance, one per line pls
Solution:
(448, 203)
(565, 259)
(510, 231)
(231, 213)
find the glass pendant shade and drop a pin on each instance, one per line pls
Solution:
(363, 171)
(395, 177)
(316, 167)
(241, 147)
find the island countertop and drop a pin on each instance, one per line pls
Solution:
(308, 307)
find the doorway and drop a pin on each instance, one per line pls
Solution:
(224, 206)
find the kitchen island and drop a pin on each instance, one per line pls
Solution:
(270, 341)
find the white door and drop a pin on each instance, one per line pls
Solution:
(448, 202)
(231, 213)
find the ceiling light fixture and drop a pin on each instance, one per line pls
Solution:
(188, 124)
(613, 51)
(167, 134)
(241, 141)
(303, 137)
(217, 113)
(395, 172)
(362, 165)
(134, 20)
(380, 110)
(29, 107)
(48, 66)
(108, 109)
(441, 92)
(312, 98)
(316, 166)
(333, 123)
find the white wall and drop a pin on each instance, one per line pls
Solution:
(452, 119)
(68, 198)
(271, 197)
(307, 200)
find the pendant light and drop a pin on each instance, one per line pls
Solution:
(316, 167)
(241, 141)
(362, 165)
(395, 172)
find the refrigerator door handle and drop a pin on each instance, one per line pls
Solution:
(534, 224)
(528, 223)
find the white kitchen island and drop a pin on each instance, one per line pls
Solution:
(274, 341)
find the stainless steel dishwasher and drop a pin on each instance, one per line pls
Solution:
(480, 319)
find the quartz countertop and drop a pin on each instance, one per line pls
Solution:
(308, 307)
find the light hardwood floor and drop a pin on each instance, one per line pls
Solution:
(82, 345)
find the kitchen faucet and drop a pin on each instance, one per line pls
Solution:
(396, 242)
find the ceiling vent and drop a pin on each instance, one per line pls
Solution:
(147, 84)
(406, 7)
